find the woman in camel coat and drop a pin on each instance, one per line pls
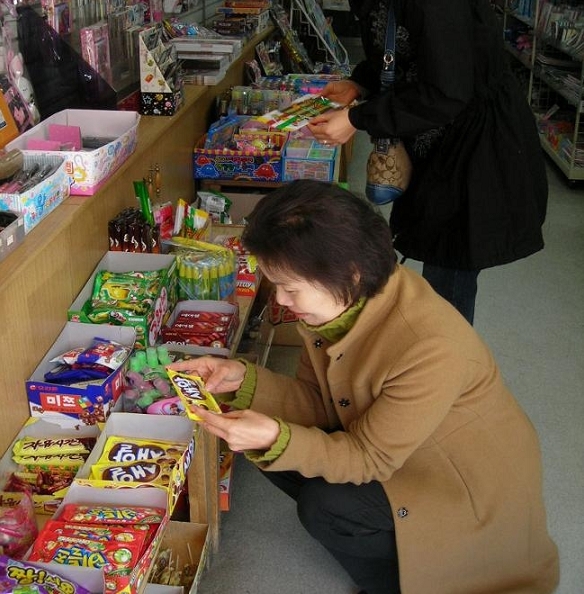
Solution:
(407, 455)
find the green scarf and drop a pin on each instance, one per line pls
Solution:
(336, 329)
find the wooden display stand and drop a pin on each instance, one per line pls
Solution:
(40, 279)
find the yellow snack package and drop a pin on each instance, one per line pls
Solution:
(123, 450)
(192, 393)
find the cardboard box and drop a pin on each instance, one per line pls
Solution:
(39, 201)
(89, 169)
(146, 427)
(147, 326)
(137, 579)
(226, 460)
(188, 544)
(39, 428)
(158, 589)
(70, 405)
(12, 235)
(263, 166)
(169, 337)
(304, 158)
(241, 205)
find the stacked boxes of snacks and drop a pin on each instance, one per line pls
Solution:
(81, 375)
(129, 289)
(107, 529)
(232, 151)
(202, 323)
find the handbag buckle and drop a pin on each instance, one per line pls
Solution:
(388, 60)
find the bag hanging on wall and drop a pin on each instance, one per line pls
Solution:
(389, 168)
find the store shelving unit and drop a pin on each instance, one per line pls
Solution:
(547, 40)
(307, 17)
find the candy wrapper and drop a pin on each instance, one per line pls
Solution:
(41, 446)
(193, 394)
(18, 528)
(123, 450)
(116, 554)
(24, 577)
(103, 514)
(145, 472)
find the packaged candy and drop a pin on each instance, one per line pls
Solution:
(61, 461)
(105, 533)
(104, 514)
(193, 394)
(41, 482)
(123, 450)
(131, 291)
(116, 558)
(44, 446)
(18, 527)
(145, 472)
(102, 353)
(23, 577)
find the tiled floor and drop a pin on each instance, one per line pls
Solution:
(531, 313)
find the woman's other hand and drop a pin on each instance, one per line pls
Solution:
(332, 127)
(242, 429)
(342, 91)
(219, 375)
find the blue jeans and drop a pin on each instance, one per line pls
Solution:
(457, 286)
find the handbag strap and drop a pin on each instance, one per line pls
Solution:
(387, 75)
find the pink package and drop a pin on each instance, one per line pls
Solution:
(39, 144)
(69, 135)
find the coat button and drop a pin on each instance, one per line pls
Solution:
(402, 512)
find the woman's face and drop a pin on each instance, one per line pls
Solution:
(311, 302)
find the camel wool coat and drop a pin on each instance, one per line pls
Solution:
(413, 398)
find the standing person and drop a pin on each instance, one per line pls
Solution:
(478, 195)
(408, 458)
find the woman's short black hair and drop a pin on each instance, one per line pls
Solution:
(324, 234)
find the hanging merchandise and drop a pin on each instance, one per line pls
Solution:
(319, 37)
(60, 77)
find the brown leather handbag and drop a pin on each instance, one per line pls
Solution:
(389, 168)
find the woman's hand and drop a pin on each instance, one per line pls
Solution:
(219, 375)
(332, 127)
(242, 429)
(342, 91)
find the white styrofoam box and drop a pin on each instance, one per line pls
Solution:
(39, 201)
(89, 169)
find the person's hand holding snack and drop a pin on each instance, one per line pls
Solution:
(343, 92)
(242, 429)
(219, 375)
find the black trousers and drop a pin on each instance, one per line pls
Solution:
(353, 522)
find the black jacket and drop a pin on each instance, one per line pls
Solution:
(478, 196)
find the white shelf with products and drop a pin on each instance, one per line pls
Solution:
(547, 39)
